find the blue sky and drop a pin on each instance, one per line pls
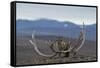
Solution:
(60, 13)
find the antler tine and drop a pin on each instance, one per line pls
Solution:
(36, 48)
(33, 36)
(81, 39)
(79, 43)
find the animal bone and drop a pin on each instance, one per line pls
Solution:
(75, 48)
(37, 50)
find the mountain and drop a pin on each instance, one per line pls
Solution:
(54, 27)
(43, 23)
(91, 32)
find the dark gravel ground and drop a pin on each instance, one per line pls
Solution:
(26, 54)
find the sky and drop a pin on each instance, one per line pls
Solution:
(75, 14)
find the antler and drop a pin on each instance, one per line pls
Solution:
(76, 46)
(36, 48)
(80, 41)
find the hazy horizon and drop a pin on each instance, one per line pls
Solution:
(55, 20)
(75, 14)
